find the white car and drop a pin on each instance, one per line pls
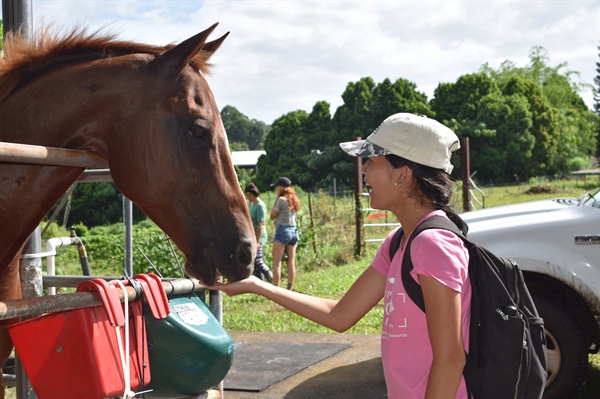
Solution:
(557, 245)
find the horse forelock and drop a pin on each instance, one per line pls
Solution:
(24, 60)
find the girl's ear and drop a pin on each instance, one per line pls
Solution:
(407, 171)
(402, 175)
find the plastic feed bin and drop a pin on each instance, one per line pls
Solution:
(189, 350)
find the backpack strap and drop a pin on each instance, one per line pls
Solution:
(413, 289)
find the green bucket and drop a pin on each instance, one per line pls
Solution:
(189, 351)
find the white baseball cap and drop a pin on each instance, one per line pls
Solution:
(416, 138)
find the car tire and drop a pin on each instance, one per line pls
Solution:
(566, 351)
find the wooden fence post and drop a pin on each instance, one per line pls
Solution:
(466, 172)
(358, 189)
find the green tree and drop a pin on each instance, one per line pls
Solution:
(502, 153)
(320, 135)
(460, 100)
(352, 118)
(508, 152)
(543, 120)
(284, 147)
(457, 105)
(305, 147)
(558, 130)
(243, 133)
(97, 204)
(389, 98)
(564, 127)
(366, 105)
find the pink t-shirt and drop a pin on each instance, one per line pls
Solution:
(405, 347)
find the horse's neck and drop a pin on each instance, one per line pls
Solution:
(28, 192)
(62, 122)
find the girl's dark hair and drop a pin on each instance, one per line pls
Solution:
(252, 189)
(435, 184)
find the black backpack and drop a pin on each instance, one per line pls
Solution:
(507, 344)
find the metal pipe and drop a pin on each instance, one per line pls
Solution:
(72, 281)
(83, 258)
(30, 265)
(39, 155)
(95, 176)
(10, 380)
(51, 245)
(128, 236)
(32, 307)
(18, 17)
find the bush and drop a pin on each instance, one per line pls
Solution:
(579, 163)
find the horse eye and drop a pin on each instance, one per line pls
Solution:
(199, 129)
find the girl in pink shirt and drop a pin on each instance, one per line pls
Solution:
(407, 166)
(406, 346)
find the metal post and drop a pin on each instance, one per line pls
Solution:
(466, 172)
(127, 222)
(30, 267)
(17, 16)
(30, 270)
(216, 307)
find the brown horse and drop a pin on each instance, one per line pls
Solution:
(150, 113)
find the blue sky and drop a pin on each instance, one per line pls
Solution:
(287, 55)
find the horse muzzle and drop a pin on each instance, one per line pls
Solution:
(212, 262)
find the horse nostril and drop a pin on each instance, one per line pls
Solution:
(244, 254)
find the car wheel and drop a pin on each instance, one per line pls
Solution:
(566, 351)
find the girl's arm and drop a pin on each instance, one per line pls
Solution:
(443, 314)
(259, 229)
(275, 210)
(340, 315)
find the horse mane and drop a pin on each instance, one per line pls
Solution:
(24, 60)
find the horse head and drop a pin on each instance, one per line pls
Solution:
(174, 161)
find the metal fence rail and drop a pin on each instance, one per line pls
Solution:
(32, 307)
(40, 155)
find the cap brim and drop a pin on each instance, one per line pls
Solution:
(363, 149)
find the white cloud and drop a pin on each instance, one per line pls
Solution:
(287, 55)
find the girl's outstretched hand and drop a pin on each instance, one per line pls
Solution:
(246, 286)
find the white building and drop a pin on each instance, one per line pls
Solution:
(246, 159)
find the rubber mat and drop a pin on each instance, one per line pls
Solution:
(258, 365)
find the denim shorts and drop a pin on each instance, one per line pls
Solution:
(287, 235)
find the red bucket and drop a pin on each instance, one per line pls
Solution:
(76, 354)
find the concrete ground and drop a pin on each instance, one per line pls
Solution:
(354, 372)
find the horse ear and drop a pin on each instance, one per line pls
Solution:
(213, 46)
(176, 58)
